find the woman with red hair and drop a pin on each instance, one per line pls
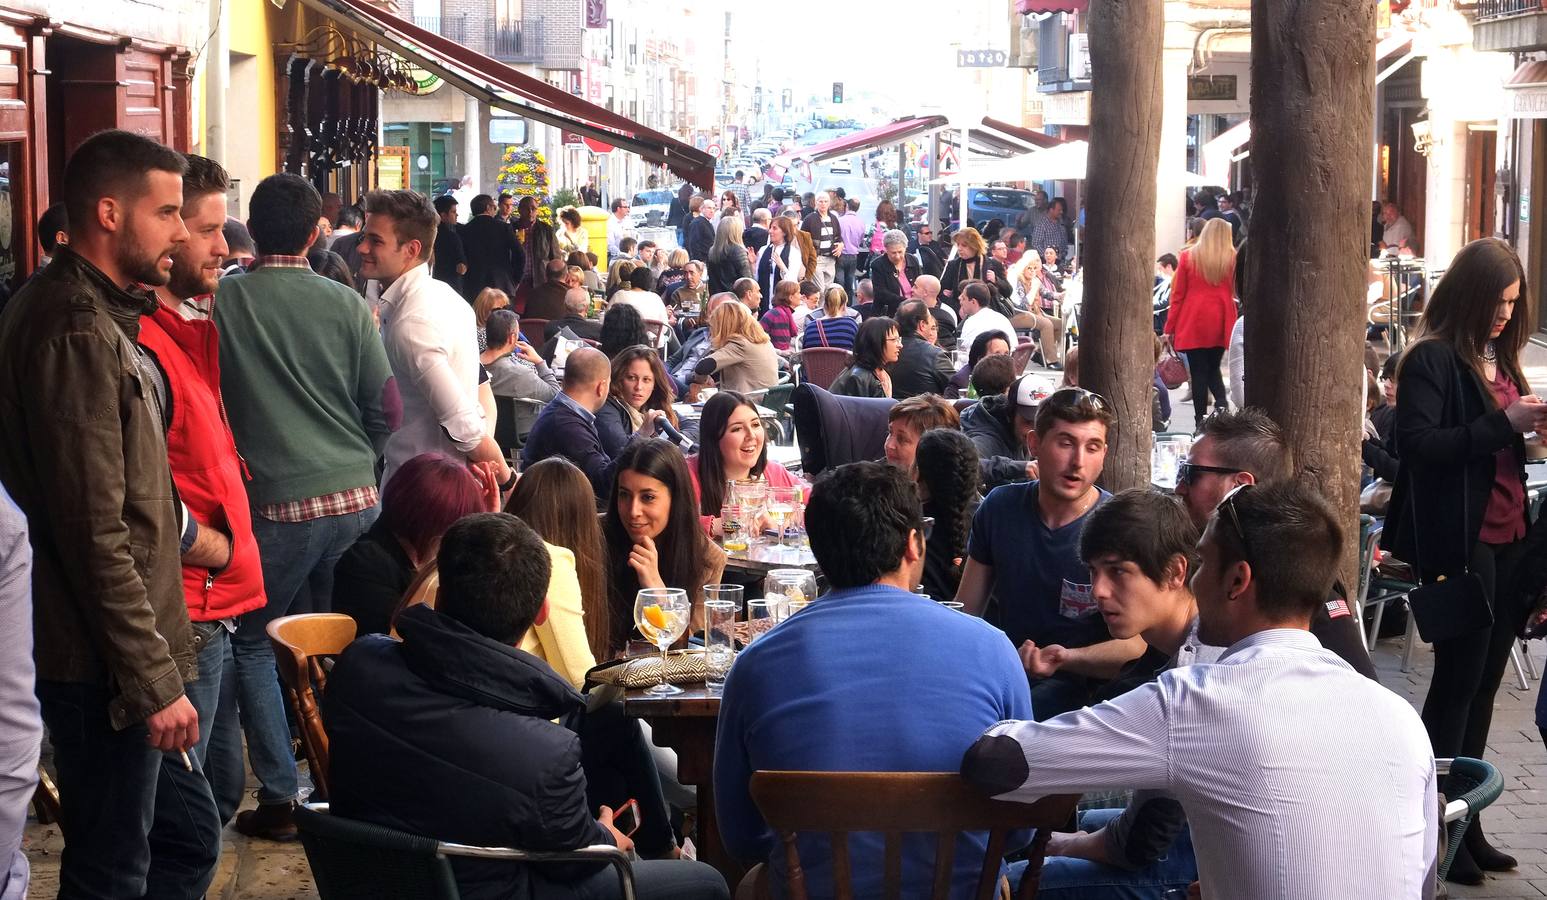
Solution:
(423, 499)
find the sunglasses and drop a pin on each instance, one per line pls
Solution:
(1075, 396)
(1227, 506)
(1188, 472)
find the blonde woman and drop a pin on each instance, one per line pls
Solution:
(972, 262)
(1036, 300)
(488, 300)
(728, 260)
(741, 357)
(617, 276)
(1203, 312)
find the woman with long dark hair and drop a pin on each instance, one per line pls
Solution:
(1458, 508)
(555, 499)
(640, 390)
(877, 346)
(945, 465)
(654, 539)
(733, 447)
(622, 328)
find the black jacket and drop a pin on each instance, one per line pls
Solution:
(699, 236)
(857, 382)
(449, 734)
(561, 431)
(728, 268)
(1001, 456)
(370, 579)
(448, 255)
(887, 287)
(494, 256)
(957, 271)
(921, 368)
(580, 326)
(1446, 434)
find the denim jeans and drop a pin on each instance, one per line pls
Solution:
(844, 276)
(213, 694)
(298, 560)
(1067, 878)
(113, 787)
(654, 879)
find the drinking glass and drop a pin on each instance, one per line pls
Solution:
(762, 616)
(733, 536)
(783, 503)
(662, 616)
(782, 586)
(731, 592)
(952, 604)
(719, 640)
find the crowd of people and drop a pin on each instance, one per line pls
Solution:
(204, 442)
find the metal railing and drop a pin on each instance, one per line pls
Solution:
(514, 40)
(1499, 9)
(451, 27)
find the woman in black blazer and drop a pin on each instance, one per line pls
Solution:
(1459, 501)
(884, 283)
(972, 262)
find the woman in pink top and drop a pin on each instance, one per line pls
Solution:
(732, 447)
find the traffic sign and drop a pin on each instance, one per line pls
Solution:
(713, 150)
(949, 163)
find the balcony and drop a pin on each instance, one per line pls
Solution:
(515, 40)
(452, 27)
(1507, 26)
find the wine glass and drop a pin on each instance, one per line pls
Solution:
(662, 616)
(783, 502)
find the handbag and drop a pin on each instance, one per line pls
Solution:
(682, 667)
(1449, 606)
(1171, 369)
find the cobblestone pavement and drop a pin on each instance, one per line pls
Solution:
(263, 870)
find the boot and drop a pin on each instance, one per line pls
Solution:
(270, 821)
(1463, 869)
(1487, 857)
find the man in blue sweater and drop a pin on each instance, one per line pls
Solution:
(869, 678)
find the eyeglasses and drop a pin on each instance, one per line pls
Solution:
(1227, 506)
(1187, 472)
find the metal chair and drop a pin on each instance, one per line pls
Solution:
(895, 803)
(820, 365)
(353, 860)
(1471, 785)
(300, 644)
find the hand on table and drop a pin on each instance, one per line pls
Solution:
(1041, 662)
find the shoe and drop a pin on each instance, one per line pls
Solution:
(1056, 367)
(1463, 870)
(1487, 857)
(270, 821)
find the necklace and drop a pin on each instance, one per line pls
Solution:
(1490, 353)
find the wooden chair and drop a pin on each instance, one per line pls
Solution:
(820, 365)
(896, 803)
(300, 644)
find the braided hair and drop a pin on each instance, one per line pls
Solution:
(947, 464)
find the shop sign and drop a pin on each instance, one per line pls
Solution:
(1219, 88)
(981, 59)
(1071, 108)
(1528, 102)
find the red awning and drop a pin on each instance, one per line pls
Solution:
(1025, 135)
(879, 136)
(1027, 7)
(501, 86)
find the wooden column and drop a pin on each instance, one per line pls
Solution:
(1313, 75)
(1116, 331)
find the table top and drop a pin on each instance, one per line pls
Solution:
(695, 700)
(763, 556)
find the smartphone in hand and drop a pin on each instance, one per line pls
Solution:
(626, 818)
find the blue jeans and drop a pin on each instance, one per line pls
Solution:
(213, 694)
(298, 560)
(654, 879)
(1066, 878)
(113, 787)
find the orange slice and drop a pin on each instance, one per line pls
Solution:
(655, 616)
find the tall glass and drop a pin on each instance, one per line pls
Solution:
(752, 498)
(762, 616)
(662, 616)
(732, 533)
(719, 641)
(784, 586)
(783, 504)
(731, 592)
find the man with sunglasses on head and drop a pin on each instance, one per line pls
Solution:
(1247, 447)
(1023, 552)
(1272, 775)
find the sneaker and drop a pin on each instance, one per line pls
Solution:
(270, 821)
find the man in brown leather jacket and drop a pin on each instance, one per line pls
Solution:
(84, 452)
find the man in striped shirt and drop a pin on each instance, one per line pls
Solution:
(1301, 778)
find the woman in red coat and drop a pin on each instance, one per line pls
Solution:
(1203, 312)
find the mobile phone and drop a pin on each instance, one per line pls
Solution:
(626, 818)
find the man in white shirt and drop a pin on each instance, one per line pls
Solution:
(618, 228)
(979, 317)
(431, 338)
(1396, 232)
(1279, 752)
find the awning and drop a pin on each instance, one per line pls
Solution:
(879, 136)
(1065, 162)
(1035, 139)
(1029, 7)
(1527, 91)
(503, 87)
(1219, 153)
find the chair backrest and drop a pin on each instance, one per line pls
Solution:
(353, 860)
(896, 803)
(534, 328)
(300, 644)
(506, 434)
(1021, 356)
(655, 328)
(424, 588)
(820, 365)
(1368, 536)
(833, 430)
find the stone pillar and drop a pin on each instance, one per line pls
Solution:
(472, 141)
(1171, 209)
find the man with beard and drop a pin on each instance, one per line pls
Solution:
(222, 577)
(84, 454)
(1024, 549)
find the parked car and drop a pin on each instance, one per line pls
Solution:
(840, 166)
(650, 208)
(984, 203)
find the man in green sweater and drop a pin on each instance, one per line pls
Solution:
(303, 374)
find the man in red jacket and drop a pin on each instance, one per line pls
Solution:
(222, 578)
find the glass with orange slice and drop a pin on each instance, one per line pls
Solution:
(662, 615)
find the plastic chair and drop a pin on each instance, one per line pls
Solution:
(300, 643)
(353, 860)
(1471, 785)
(936, 803)
(777, 401)
(820, 365)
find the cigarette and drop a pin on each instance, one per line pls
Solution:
(187, 763)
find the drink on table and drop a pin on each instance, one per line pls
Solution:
(662, 616)
(719, 639)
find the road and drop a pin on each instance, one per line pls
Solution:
(855, 185)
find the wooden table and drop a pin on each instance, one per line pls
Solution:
(686, 723)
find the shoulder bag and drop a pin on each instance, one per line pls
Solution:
(1449, 606)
